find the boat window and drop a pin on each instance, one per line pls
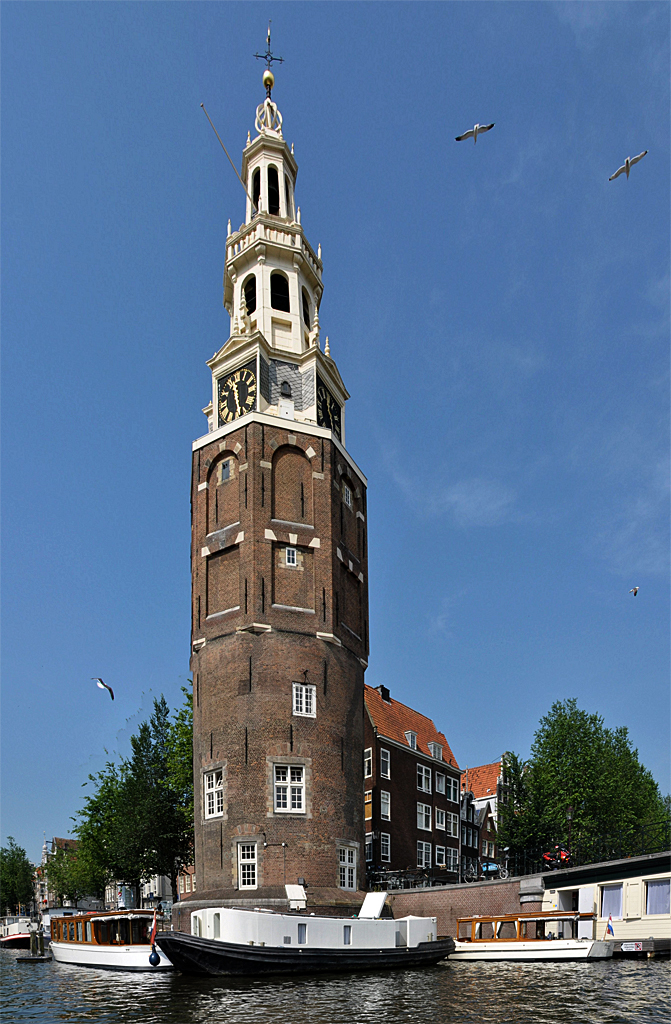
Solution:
(347, 935)
(507, 930)
(88, 931)
(216, 922)
(102, 931)
(302, 933)
(72, 931)
(464, 931)
(485, 931)
(80, 932)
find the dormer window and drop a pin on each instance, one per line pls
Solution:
(273, 191)
(285, 389)
(436, 751)
(411, 737)
(279, 292)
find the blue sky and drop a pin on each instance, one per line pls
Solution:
(499, 313)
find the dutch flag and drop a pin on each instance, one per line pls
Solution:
(609, 929)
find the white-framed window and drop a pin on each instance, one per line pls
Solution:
(213, 794)
(484, 847)
(369, 847)
(423, 854)
(611, 901)
(188, 883)
(368, 805)
(411, 737)
(247, 865)
(451, 859)
(385, 805)
(305, 700)
(658, 896)
(385, 764)
(452, 825)
(224, 473)
(453, 790)
(491, 849)
(347, 495)
(470, 837)
(290, 556)
(367, 762)
(347, 867)
(440, 818)
(423, 778)
(385, 846)
(424, 816)
(436, 751)
(193, 882)
(440, 857)
(290, 788)
(440, 782)
(181, 883)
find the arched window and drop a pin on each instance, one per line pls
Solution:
(306, 309)
(273, 191)
(279, 292)
(249, 288)
(256, 187)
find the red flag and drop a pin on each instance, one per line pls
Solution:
(152, 937)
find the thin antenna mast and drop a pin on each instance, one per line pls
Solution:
(229, 159)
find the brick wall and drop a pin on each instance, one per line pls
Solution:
(453, 901)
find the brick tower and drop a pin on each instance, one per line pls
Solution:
(279, 570)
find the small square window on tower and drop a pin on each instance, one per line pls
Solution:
(291, 558)
(224, 471)
(213, 793)
(305, 700)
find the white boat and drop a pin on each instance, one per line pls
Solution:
(119, 940)
(228, 940)
(14, 932)
(542, 935)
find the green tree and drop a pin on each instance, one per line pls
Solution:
(578, 763)
(75, 874)
(16, 877)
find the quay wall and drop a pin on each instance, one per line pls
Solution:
(499, 896)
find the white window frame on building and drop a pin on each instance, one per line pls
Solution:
(440, 783)
(368, 805)
(439, 853)
(436, 751)
(369, 847)
(304, 700)
(290, 557)
(452, 859)
(368, 762)
(423, 854)
(385, 764)
(440, 818)
(385, 847)
(347, 868)
(455, 791)
(424, 816)
(213, 793)
(247, 866)
(347, 495)
(411, 737)
(289, 788)
(423, 778)
(385, 805)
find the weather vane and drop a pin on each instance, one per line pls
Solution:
(268, 77)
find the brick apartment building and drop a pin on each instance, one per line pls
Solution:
(486, 783)
(411, 791)
(279, 570)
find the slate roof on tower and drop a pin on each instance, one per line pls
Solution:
(393, 719)
(482, 781)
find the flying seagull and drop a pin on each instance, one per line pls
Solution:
(477, 130)
(104, 686)
(634, 591)
(627, 165)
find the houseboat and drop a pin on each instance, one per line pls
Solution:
(120, 940)
(228, 940)
(557, 935)
(14, 932)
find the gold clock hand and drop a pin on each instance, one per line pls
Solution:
(237, 400)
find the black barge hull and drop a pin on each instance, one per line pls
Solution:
(193, 955)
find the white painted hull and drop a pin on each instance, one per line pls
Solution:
(539, 949)
(115, 958)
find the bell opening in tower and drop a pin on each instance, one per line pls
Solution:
(273, 191)
(279, 292)
(250, 293)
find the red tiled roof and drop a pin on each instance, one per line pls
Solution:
(394, 719)
(482, 781)
(65, 844)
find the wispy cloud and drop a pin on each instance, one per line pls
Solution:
(476, 502)
(586, 19)
(635, 537)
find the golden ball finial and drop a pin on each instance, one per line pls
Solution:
(268, 78)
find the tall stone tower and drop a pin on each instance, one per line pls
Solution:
(279, 569)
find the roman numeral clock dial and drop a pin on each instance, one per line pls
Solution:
(237, 393)
(328, 410)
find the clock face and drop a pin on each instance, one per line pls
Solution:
(328, 410)
(237, 393)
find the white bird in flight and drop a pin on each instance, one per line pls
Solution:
(103, 686)
(627, 166)
(634, 591)
(474, 132)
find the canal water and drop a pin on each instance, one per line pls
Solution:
(608, 992)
